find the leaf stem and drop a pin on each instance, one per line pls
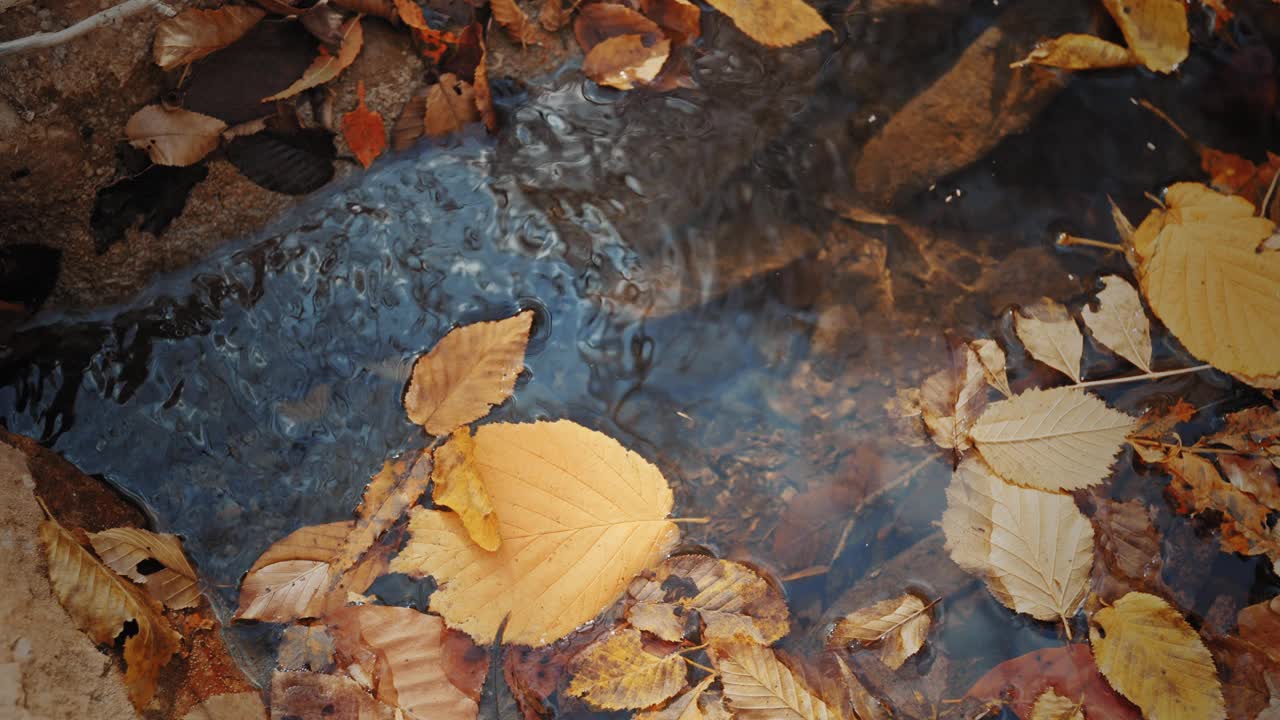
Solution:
(699, 665)
(692, 521)
(1071, 240)
(1144, 376)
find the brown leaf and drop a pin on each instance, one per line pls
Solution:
(992, 357)
(1052, 706)
(451, 105)
(193, 34)
(384, 9)
(1051, 336)
(230, 706)
(1253, 430)
(681, 19)
(327, 67)
(176, 585)
(1155, 30)
(1254, 475)
(778, 23)
(513, 19)
(598, 22)
(625, 61)
(616, 672)
(811, 525)
(483, 95)
(1260, 625)
(898, 624)
(306, 647)
(536, 674)
(173, 137)
(553, 15)
(729, 597)
(1128, 545)
(364, 131)
(316, 695)
(411, 124)
(685, 707)
(759, 686)
(1068, 669)
(1250, 679)
(411, 14)
(457, 486)
(1075, 51)
(395, 488)
(1197, 486)
(952, 399)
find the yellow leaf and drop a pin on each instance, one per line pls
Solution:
(1057, 439)
(1120, 322)
(1155, 30)
(625, 61)
(730, 598)
(327, 67)
(579, 516)
(1199, 268)
(176, 586)
(900, 624)
(470, 370)
(952, 398)
(1078, 52)
(100, 603)
(775, 23)
(1051, 336)
(685, 707)
(458, 487)
(396, 487)
(616, 673)
(230, 706)
(193, 34)
(1149, 653)
(1033, 548)
(759, 686)
(1052, 706)
(173, 137)
(991, 356)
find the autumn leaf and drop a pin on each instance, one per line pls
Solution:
(1254, 475)
(1155, 31)
(951, 399)
(1074, 51)
(1199, 268)
(457, 486)
(1254, 430)
(318, 695)
(514, 20)
(759, 686)
(625, 61)
(1052, 706)
(193, 34)
(471, 369)
(175, 585)
(1148, 652)
(553, 15)
(451, 105)
(327, 67)
(899, 624)
(411, 124)
(1128, 543)
(1069, 669)
(579, 516)
(395, 488)
(173, 137)
(729, 597)
(681, 19)
(230, 706)
(774, 23)
(688, 706)
(616, 673)
(1260, 625)
(101, 604)
(411, 14)
(306, 647)
(1051, 336)
(364, 131)
(482, 92)
(1197, 486)
(992, 359)
(1120, 323)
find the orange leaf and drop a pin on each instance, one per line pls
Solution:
(411, 14)
(364, 131)
(484, 97)
(517, 24)
(434, 42)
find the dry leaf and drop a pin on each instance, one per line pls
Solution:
(1260, 625)
(1199, 268)
(616, 673)
(685, 707)
(193, 34)
(483, 94)
(411, 124)
(395, 488)
(306, 647)
(403, 652)
(900, 624)
(1074, 51)
(411, 14)
(774, 23)
(1057, 439)
(1051, 336)
(951, 399)
(553, 15)
(759, 686)
(230, 706)
(681, 19)
(316, 696)
(579, 516)
(1120, 323)
(1254, 430)
(451, 106)
(1070, 670)
(471, 369)
(176, 585)
(730, 598)
(173, 137)
(364, 131)
(1151, 655)
(1254, 475)
(1052, 706)
(1155, 30)
(625, 61)
(1197, 486)
(992, 358)
(458, 487)
(1033, 548)
(327, 67)
(517, 24)
(101, 603)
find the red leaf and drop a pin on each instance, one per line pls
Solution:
(364, 131)
(1068, 670)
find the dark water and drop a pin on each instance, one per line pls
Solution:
(257, 392)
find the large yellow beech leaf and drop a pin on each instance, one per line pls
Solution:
(1202, 274)
(1057, 439)
(760, 687)
(1149, 653)
(775, 23)
(176, 585)
(579, 516)
(616, 673)
(458, 487)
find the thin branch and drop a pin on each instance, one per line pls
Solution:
(1069, 240)
(40, 41)
(1143, 376)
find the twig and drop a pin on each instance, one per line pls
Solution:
(1143, 376)
(40, 41)
(1068, 240)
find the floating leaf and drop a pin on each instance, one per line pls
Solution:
(616, 673)
(1057, 439)
(1199, 268)
(514, 20)
(579, 516)
(1197, 486)
(1155, 30)
(1151, 655)
(730, 598)
(1051, 336)
(685, 707)
(1052, 706)
(364, 131)
(193, 34)
(952, 398)
(899, 624)
(1074, 51)
(625, 61)
(395, 488)
(1120, 323)
(759, 686)
(176, 585)
(457, 486)
(230, 706)
(173, 137)
(451, 105)
(993, 364)
(774, 23)
(471, 369)
(327, 67)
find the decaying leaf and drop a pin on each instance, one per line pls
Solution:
(481, 90)
(1151, 655)
(458, 487)
(688, 706)
(759, 686)
(1033, 548)
(411, 124)
(1254, 475)
(327, 67)
(1260, 625)
(513, 19)
(395, 488)
(1056, 439)
(553, 15)
(318, 695)
(952, 398)
(991, 355)
(1051, 336)
(230, 706)
(193, 34)
(364, 131)
(598, 22)
(1128, 543)
(101, 603)
(1052, 706)
(1069, 670)
(471, 369)
(625, 61)
(899, 624)
(616, 672)
(1075, 51)
(175, 585)
(730, 598)
(1155, 30)
(173, 137)
(1120, 323)
(451, 106)
(1197, 486)
(1199, 268)
(681, 19)
(579, 516)
(1254, 430)
(774, 23)
(306, 647)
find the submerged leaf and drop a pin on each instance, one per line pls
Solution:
(991, 355)
(457, 486)
(1051, 336)
(1120, 323)
(174, 137)
(193, 34)
(1052, 706)
(616, 673)
(759, 686)
(364, 131)
(899, 624)
(951, 399)
(176, 585)
(1155, 30)
(1197, 486)
(730, 598)
(774, 23)
(598, 22)
(327, 67)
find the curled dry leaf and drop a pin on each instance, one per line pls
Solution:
(579, 516)
(457, 486)
(625, 61)
(730, 598)
(899, 624)
(451, 106)
(471, 369)
(230, 706)
(759, 686)
(681, 19)
(364, 131)
(1051, 336)
(1197, 486)
(992, 358)
(688, 706)
(513, 19)
(173, 137)
(1199, 268)
(175, 585)
(1052, 706)
(775, 23)
(616, 673)
(193, 34)
(1120, 322)
(951, 399)
(598, 22)
(1155, 30)
(1148, 652)
(1074, 51)
(327, 66)
(1057, 439)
